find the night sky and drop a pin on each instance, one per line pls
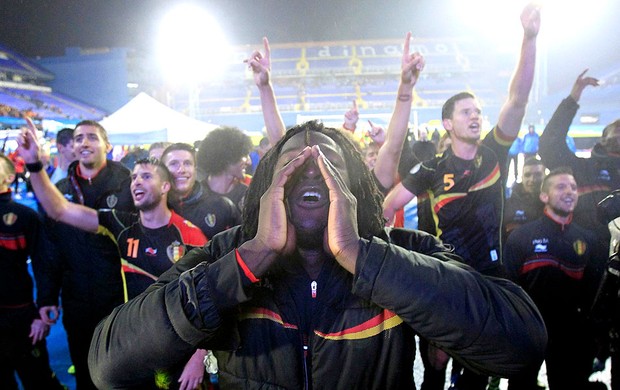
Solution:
(45, 27)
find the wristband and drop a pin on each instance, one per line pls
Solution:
(35, 167)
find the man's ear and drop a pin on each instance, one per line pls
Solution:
(10, 179)
(165, 187)
(543, 197)
(108, 147)
(447, 124)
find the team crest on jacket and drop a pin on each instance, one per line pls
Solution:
(175, 251)
(111, 201)
(580, 247)
(478, 161)
(9, 219)
(210, 220)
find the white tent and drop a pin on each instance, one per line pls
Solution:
(144, 120)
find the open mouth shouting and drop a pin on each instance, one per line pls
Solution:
(138, 195)
(309, 196)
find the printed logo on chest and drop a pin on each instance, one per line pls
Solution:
(540, 245)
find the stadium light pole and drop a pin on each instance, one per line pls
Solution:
(191, 49)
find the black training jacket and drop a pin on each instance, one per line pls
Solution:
(361, 332)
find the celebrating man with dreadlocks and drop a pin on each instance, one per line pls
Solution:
(312, 292)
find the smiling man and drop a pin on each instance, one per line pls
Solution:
(86, 271)
(149, 243)
(552, 258)
(310, 279)
(210, 211)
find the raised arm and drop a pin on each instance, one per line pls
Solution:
(52, 200)
(581, 83)
(388, 157)
(261, 67)
(513, 110)
(553, 149)
(395, 200)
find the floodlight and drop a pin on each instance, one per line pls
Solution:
(191, 45)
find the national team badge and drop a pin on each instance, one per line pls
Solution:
(175, 251)
(580, 247)
(9, 219)
(478, 161)
(210, 220)
(111, 201)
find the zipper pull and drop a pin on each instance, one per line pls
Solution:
(313, 288)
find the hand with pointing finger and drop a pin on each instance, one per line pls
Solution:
(351, 117)
(261, 64)
(411, 65)
(28, 145)
(376, 133)
(581, 83)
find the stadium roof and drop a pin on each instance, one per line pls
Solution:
(11, 62)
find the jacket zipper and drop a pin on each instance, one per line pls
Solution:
(313, 290)
(306, 374)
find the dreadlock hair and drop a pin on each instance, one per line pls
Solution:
(363, 186)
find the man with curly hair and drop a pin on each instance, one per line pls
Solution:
(223, 157)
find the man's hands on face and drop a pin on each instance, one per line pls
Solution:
(28, 145)
(341, 238)
(276, 234)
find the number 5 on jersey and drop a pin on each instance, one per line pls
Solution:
(448, 181)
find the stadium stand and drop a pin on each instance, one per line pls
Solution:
(23, 91)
